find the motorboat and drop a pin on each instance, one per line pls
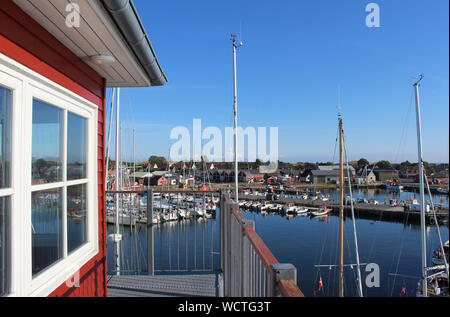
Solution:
(322, 211)
(301, 210)
(437, 257)
(394, 185)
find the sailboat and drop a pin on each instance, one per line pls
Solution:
(341, 264)
(436, 283)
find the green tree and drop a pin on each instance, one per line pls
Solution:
(384, 164)
(258, 163)
(406, 164)
(429, 168)
(362, 162)
(158, 160)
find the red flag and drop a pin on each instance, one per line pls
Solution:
(403, 291)
(319, 286)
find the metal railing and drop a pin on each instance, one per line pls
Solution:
(249, 268)
(175, 246)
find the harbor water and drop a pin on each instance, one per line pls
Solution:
(193, 245)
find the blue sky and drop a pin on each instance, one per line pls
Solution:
(295, 56)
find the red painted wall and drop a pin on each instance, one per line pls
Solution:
(25, 41)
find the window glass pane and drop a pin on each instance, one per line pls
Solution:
(76, 216)
(47, 143)
(4, 247)
(5, 136)
(46, 222)
(76, 146)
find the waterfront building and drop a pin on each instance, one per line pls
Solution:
(365, 176)
(159, 181)
(305, 177)
(327, 176)
(383, 175)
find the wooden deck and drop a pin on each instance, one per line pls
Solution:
(193, 285)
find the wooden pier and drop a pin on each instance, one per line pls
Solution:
(364, 210)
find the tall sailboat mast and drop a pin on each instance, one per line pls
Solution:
(422, 191)
(117, 188)
(341, 211)
(341, 265)
(235, 46)
(109, 139)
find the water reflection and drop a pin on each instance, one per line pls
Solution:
(47, 143)
(76, 216)
(191, 245)
(4, 249)
(76, 147)
(46, 221)
(5, 136)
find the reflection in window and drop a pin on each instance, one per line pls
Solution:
(4, 248)
(5, 136)
(46, 221)
(47, 143)
(76, 147)
(76, 216)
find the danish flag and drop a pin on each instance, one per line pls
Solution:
(403, 291)
(319, 286)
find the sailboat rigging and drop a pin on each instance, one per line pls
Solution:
(341, 264)
(438, 281)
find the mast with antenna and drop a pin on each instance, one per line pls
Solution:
(341, 208)
(235, 47)
(421, 192)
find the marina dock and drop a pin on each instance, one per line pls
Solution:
(363, 210)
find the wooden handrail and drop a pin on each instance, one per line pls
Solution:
(288, 288)
(267, 258)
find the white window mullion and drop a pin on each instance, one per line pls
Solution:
(25, 257)
(64, 189)
(41, 187)
(64, 148)
(6, 192)
(77, 182)
(92, 174)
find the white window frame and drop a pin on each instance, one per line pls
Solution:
(28, 85)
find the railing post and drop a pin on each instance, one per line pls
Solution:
(226, 252)
(222, 232)
(235, 246)
(282, 271)
(246, 269)
(150, 229)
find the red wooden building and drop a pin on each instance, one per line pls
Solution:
(159, 181)
(57, 59)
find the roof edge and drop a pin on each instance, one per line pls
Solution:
(126, 18)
